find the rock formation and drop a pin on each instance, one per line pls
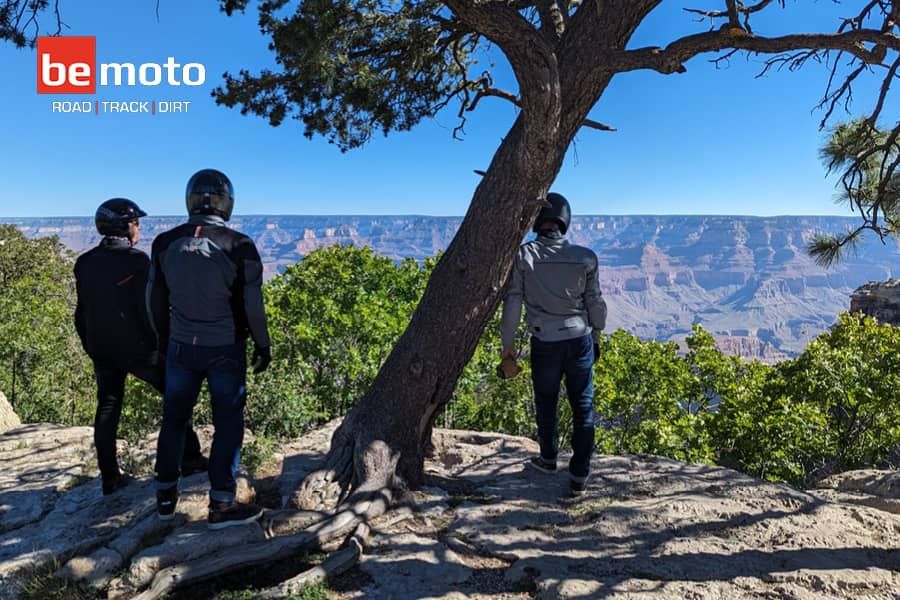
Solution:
(879, 299)
(868, 487)
(486, 525)
(8, 417)
(747, 280)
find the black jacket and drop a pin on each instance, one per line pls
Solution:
(111, 316)
(206, 286)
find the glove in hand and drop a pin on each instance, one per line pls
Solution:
(262, 357)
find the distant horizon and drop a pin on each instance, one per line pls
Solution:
(428, 216)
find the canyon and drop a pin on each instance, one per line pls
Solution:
(748, 280)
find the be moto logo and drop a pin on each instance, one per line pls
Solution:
(68, 65)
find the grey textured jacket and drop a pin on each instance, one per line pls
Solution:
(205, 286)
(557, 282)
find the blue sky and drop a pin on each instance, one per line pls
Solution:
(709, 141)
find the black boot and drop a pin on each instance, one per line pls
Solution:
(166, 500)
(195, 464)
(116, 483)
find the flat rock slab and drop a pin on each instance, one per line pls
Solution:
(485, 526)
(650, 525)
(40, 462)
(52, 510)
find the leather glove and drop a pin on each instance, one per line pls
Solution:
(596, 352)
(261, 359)
(508, 368)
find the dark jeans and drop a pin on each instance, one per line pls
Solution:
(224, 368)
(110, 395)
(550, 362)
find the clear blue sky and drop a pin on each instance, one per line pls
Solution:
(708, 141)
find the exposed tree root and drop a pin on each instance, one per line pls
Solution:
(356, 461)
(366, 507)
(324, 488)
(286, 522)
(342, 560)
(337, 563)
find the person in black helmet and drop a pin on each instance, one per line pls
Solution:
(206, 297)
(565, 312)
(111, 320)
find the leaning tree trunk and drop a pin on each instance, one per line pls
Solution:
(385, 435)
(382, 441)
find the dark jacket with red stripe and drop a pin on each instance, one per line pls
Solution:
(206, 286)
(111, 316)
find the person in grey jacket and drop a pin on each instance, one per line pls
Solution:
(205, 297)
(565, 312)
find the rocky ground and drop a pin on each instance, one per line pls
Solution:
(486, 526)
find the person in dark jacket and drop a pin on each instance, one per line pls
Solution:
(557, 283)
(114, 328)
(205, 297)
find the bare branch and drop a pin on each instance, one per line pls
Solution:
(882, 94)
(532, 59)
(20, 20)
(591, 124)
(733, 8)
(495, 93)
(845, 91)
(671, 59)
(733, 11)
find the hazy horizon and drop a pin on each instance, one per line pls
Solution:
(456, 216)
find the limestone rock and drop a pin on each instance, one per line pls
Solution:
(891, 505)
(8, 418)
(884, 484)
(879, 299)
(485, 526)
(40, 463)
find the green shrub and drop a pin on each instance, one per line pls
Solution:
(851, 375)
(335, 316)
(647, 401)
(43, 370)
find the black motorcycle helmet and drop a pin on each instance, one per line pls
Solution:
(209, 192)
(558, 211)
(114, 215)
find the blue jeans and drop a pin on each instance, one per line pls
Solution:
(225, 370)
(550, 362)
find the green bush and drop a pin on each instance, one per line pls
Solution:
(647, 401)
(851, 376)
(43, 370)
(485, 402)
(335, 316)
